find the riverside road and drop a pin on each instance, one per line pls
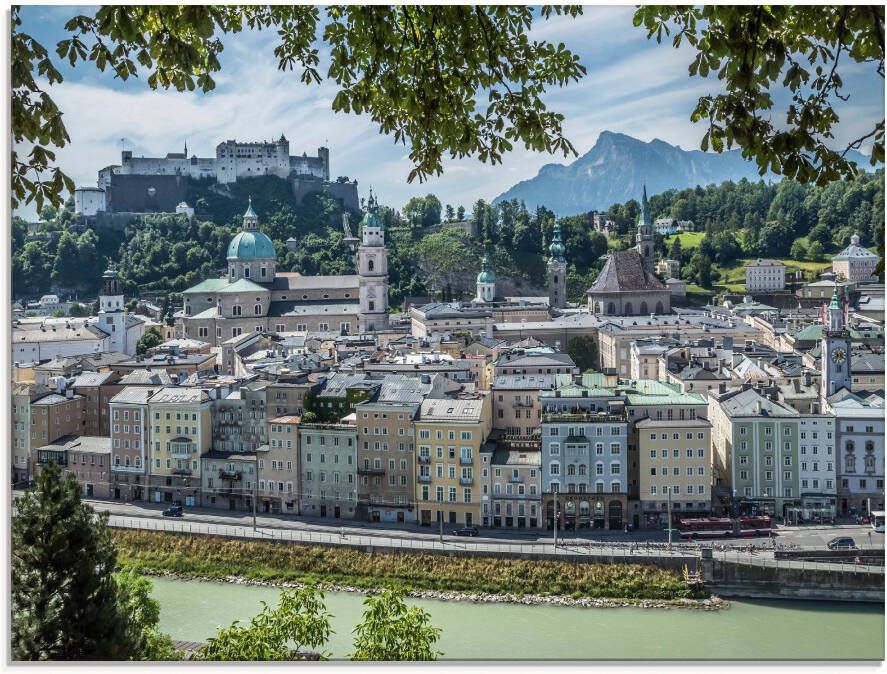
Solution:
(309, 530)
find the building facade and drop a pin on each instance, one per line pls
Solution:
(328, 469)
(855, 263)
(764, 275)
(130, 442)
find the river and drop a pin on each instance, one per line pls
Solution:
(191, 610)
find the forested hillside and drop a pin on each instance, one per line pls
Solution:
(431, 253)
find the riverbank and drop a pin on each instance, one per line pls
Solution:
(451, 577)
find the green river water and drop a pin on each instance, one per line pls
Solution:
(191, 610)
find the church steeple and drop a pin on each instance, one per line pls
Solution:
(644, 236)
(250, 219)
(835, 351)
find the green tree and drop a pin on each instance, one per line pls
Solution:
(755, 49)
(820, 233)
(64, 596)
(394, 63)
(450, 214)
(78, 310)
(149, 340)
(299, 621)
(702, 272)
(775, 239)
(460, 213)
(66, 269)
(816, 252)
(675, 251)
(799, 250)
(391, 631)
(583, 351)
(141, 615)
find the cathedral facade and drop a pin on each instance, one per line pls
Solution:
(255, 297)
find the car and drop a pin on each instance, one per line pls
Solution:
(467, 531)
(842, 543)
(173, 511)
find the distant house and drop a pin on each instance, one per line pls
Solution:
(764, 275)
(855, 263)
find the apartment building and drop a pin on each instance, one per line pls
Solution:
(279, 467)
(181, 430)
(286, 396)
(585, 469)
(85, 457)
(227, 480)
(22, 397)
(328, 469)
(674, 464)
(386, 458)
(859, 428)
(97, 389)
(764, 275)
(56, 415)
(130, 442)
(449, 435)
(515, 402)
(511, 474)
(238, 419)
(538, 361)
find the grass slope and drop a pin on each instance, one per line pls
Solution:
(218, 557)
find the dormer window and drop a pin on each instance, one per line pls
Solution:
(264, 272)
(232, 271)
(246, 272)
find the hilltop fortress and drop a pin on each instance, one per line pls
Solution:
(158, 184)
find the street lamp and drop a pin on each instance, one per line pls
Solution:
(668, 493)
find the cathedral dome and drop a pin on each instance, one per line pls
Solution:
(251, 246)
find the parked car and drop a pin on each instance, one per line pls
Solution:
(842, 543)
(467, 531)
(173, 511)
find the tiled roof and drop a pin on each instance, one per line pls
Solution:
(624, 272)
(291, 281)
(133, 395)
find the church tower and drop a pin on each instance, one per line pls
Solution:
(372, 270)
(112, 315)
(835, 352)
(486, 282)
(644, 236)
(557, 271)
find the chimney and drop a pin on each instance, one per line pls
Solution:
(728, 342)
(722, 387)
(806, 378)
(757, 406)
(69, 394)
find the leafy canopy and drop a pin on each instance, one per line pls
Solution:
(392, 631)
(757, 48)
(420, 72)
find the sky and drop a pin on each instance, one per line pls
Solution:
(633, 86)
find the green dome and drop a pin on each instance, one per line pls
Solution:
(251, 246)
(486, 272)
(557, 248)
(371, 219)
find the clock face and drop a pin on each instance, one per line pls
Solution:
(838, 355)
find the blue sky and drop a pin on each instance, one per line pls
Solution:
(633, 86)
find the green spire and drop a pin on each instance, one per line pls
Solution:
(836, 299)
(556, 249)
(645, 208)
(250, 213)
(486, 272)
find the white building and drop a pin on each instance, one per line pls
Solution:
(817, 463)
(855, 263)
(860, 442)
(764, 275)
(89, 200)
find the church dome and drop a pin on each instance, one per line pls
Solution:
(372, 219)
(557, 248)
(486, 274)
(251, 246)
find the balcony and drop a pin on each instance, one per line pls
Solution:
(229, 475)
(370, 471)
(424, 459)
(181, 471)
(521, 403)
(465, 461)
(466, 481)
(584, 417)
(127, 469)
(424, 479)
(512, 478)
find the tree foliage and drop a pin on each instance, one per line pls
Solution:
(583, 350)
(64, 596)
(754, 49)
(455, 80)
(300, 621)
(149, 340)
(392, 631)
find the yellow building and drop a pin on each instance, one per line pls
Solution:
(181, 430)
(674, 460)
(449, 434)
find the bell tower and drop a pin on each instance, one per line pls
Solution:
(835, 351)
(557, 271)
(112, 314)
(644, 236)
(372, 271)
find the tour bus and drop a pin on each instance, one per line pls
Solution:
(722, 527)
(878, 521)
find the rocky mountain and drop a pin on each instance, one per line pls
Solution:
(617, 167)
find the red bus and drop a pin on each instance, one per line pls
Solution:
(705, 527)
(755, 526)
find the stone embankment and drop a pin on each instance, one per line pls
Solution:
(709, 604)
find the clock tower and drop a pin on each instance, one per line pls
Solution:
(835, 348)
